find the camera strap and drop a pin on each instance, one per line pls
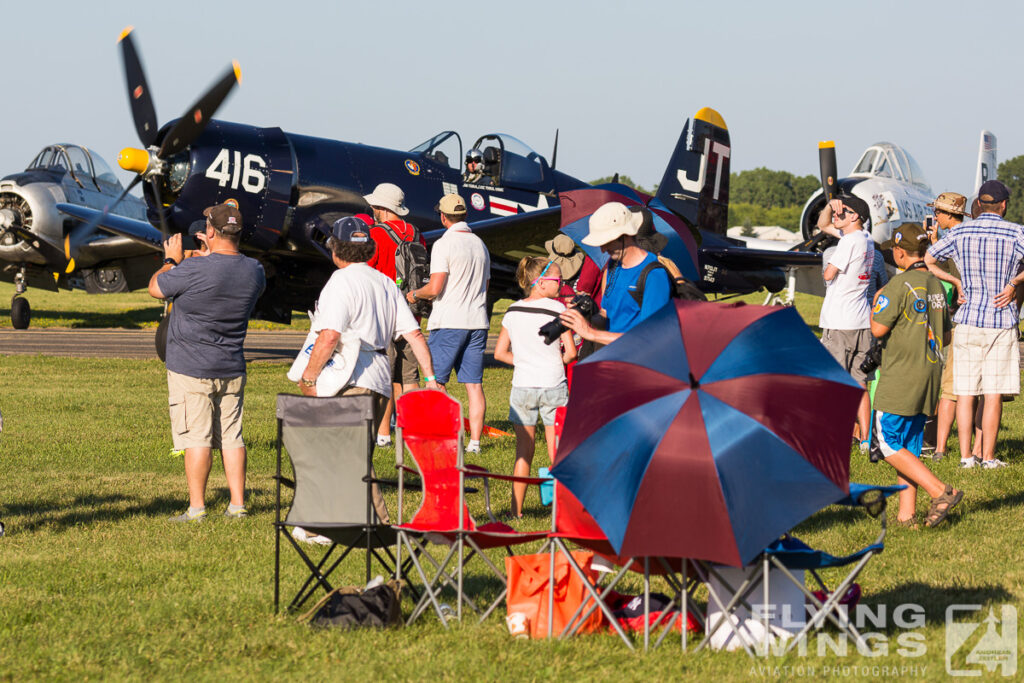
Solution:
(531, 309)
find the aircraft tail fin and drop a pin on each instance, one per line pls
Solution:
(986, 160)
(696, 181)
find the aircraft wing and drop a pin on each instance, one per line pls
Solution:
(506, 235)
(137, 230)
(745, 256)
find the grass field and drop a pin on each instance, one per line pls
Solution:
(94, 583)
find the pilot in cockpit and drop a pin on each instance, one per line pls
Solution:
(474, 166)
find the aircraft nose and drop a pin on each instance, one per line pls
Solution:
(133, 159)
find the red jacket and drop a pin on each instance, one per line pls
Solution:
(384, 258)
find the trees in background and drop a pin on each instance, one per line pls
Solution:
(1011, 173)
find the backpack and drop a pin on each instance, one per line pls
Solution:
(350, 607)
(412, 265)
(680, 288)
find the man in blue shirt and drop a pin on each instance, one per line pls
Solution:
(613, 227)
(986, 362)
(214, 294)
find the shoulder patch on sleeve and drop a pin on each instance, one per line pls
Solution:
(881, 304)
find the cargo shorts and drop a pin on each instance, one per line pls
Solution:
(206, 412)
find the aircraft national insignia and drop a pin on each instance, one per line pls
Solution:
(477, 200)
(881, 304)
(412, 167)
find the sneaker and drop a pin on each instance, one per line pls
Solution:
(968, 463)
(938, 455)
(383, 441)
(473, 447)
(994, 463)
(177, 453)
(864, 445)
(240, 513)
(189, 516)
(303, 536)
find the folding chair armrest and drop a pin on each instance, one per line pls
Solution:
(470, 470)
(393, 483)
(285, 481)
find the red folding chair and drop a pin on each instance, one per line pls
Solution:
(429, 425)
(571, 523)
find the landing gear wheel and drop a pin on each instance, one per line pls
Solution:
(105, 281)
(161, 337)
(21, 313)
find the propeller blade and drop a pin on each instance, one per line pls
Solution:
(154, 182)
(83, 234)
(139, 98)
(190, 126)
(827, 166)
(554, 152)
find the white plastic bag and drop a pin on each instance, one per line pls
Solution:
(337, 372)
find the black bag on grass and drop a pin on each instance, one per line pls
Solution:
(350, 607)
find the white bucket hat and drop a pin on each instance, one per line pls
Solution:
(388, 196)
(611, 221)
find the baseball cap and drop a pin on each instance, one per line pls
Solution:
(610, 222)
(350, 229)
(859, 206)
(950, 202)
(993, 192)
(225, 218)
(909, 237)
(451, 204)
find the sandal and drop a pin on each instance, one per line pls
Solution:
(941, 505)
(909, 523)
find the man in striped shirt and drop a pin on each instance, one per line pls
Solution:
(986, 361)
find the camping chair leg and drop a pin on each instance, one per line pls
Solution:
(321, 578)
(726, 610)
(551, 580)
(428, 595)
(647, 603)
(314, 569)
(497, 572)
(447, 577)
(277, 568)
(599, 602)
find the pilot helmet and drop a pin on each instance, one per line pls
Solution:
(474, 155)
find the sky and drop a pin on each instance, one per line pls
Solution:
(617, 79)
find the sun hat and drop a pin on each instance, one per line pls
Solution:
(563, 253)
(610, 222)
(388, 196)
(950, 202)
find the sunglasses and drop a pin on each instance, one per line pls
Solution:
(553, 279)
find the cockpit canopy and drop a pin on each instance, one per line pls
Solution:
(84, 166)
(886, 160)
(507, 159)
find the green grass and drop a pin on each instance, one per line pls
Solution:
(94, 583)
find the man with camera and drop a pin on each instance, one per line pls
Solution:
(988, 251)
(949, 210)
(460, 270)
(846, 313)
(613, 228)
(214, 294)
(910, 314)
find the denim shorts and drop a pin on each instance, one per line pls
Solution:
(526, 403)
(459, 350)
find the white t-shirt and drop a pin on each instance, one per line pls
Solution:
(369, 303)
(462, 304)
(535, 363)
(846, 305)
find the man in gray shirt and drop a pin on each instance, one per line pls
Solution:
(214, 294)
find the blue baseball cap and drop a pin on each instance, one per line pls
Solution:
(350, 229)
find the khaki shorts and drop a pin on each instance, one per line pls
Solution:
(206, 412)
(848, 348)
(985, 361)
(404, 368)
(947, 376)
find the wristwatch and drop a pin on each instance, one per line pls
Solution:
(171, 261)
(307, 382)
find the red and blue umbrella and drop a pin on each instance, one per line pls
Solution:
(578, 205)
(707, 431)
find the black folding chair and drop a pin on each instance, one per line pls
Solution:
(329, 445)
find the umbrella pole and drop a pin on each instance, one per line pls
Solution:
(647, 602)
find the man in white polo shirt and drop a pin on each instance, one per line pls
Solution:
(460, 269)
(845, 313)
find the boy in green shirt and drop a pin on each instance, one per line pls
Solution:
(911, 311)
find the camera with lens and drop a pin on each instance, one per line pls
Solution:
(552, 330)
(872, 357)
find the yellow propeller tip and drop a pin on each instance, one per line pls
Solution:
(825, 144)
(238, 70)
(71, 266)
(125, 32)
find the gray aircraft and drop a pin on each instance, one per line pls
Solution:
(42, 247)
